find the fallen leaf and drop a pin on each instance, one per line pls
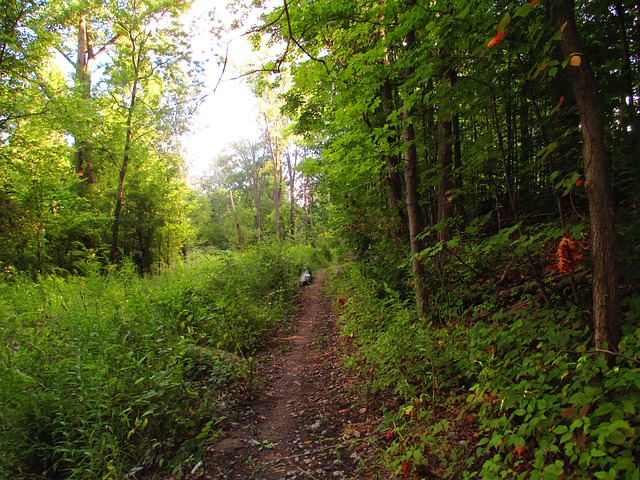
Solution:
(405, 468)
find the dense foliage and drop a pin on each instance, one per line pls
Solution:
(475, 160)
(507, 389)
(108, 375)
(433, 116)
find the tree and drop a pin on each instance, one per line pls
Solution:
(246, 160)
(87, 51)
(292, 155)
(411, 178)
(606, 297)
(147, 56)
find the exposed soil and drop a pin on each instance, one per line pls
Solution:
(303, 423)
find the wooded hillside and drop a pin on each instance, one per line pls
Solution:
(472, 164)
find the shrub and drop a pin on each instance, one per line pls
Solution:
(497, 390)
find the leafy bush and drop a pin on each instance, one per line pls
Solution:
(498, 390)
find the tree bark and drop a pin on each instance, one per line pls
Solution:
(306, 201)
(83, 160)
(274, 149)
(458, 199)
(445, 161)
(607, 316)
(412, 180)
(291, 171)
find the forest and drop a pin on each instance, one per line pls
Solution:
(463, 169)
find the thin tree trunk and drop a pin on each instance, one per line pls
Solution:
(607, 316)
(412, 180)
(277, 177)
(445, 161)
(237, 220)
(83, 161)
(258, 206)
(305, 201)
(114, 254)
(291, 170)
(627, 70)
(458, 198)
(393, 163)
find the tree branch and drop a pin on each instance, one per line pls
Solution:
(286, 11)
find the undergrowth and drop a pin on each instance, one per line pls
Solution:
(115, 376)
(494, 383)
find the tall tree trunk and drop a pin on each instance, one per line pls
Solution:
(291, 171)
(607, 316)
(258, 205)
(391, 159)
(277, 196)
(445, 161)
(630, 115)
(114, 254)
(274, 149)
(83, 160)
(306, 201)
(393, 163)
(458, 199)
(412, 180)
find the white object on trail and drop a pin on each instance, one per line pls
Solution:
(305, 278)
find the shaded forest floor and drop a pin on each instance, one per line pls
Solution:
(304, 422)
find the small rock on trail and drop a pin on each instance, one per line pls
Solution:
(303, 425)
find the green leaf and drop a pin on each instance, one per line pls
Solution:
(560, 429)
(524, 10)
(504, 22)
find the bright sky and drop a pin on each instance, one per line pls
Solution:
(230, 113)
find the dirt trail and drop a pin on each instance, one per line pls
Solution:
(303, 424)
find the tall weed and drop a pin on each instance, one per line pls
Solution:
(113, 376)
